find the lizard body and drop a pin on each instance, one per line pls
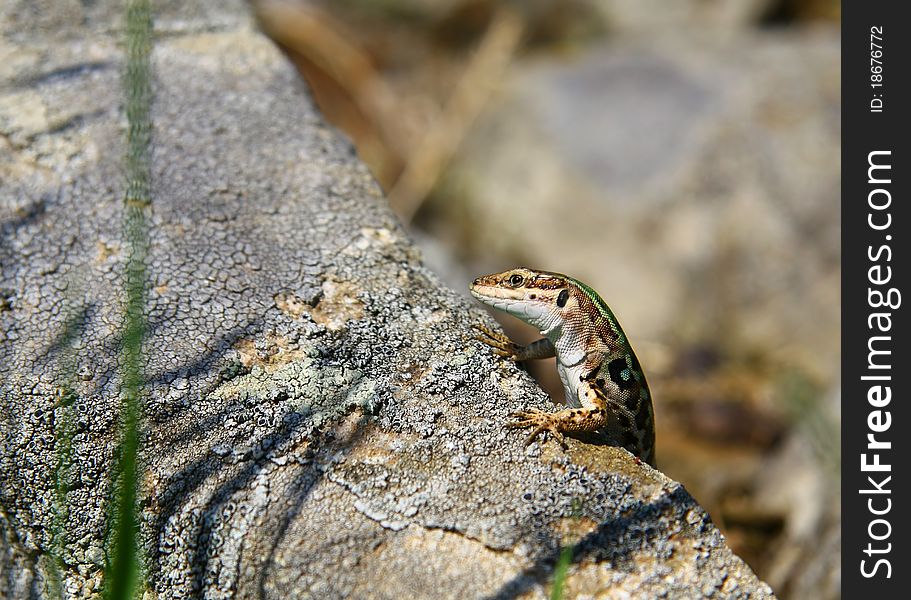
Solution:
(604, 384)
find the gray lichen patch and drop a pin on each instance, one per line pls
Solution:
(317, 392)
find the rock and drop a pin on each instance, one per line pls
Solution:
(318, 420)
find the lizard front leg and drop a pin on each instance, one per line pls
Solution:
(505, 347)
(572, 420)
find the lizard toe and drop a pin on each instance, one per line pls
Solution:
(535, 433)
(532, 414)
(558, 435)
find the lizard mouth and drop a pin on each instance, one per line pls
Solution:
(486, 291)
(498, 297)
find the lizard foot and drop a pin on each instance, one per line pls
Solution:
(502, 345)
(541, 421)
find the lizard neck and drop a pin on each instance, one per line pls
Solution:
(569, 341)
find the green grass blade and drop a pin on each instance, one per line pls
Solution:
(561, 570)
(124, 573)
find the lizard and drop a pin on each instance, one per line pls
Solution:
(604, 385)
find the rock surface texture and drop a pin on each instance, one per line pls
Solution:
(319, 421)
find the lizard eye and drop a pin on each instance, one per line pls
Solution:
(516, 280)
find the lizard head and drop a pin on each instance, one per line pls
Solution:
(539, 298)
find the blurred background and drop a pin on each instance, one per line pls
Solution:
(681, 157)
